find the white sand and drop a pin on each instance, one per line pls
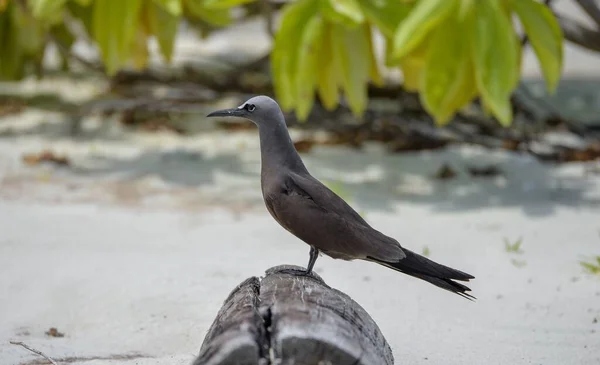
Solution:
(129, 262)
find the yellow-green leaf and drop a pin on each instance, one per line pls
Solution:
(285, 49)
(225, 4)
(307, 66)
(352, 47)
(198, 9)
(495, 58)
(374, 73)
(464, 8)
(83, 2)
(31, 32)
(447, 81)
(386, 15)
(412, 66)
(45, 9)
(424, 17)
(140, 49)
(346, 12)
(172, 6)
(283, 79)
(462, 94)
(83, 13)
(62, 34)
(11, 54)
(114, 26)
(545, 36)
(163, 25)
(328, 71)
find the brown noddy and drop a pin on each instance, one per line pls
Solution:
(312, 212)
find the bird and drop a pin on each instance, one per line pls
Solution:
(316, 215)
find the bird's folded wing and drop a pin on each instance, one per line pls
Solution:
(315, 214)
(325, 198)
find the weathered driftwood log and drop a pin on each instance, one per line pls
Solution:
(287, 318)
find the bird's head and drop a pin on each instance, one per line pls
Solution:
(262, 110)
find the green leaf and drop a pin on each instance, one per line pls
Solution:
(83, 2)
(346, 12)
(84, 14)
(163, 25)
(412, 66)
(386, 15)
(590, 268)
(464, 8)
(495, 54)
(447, 81)
(225, 4)
(424, 17)
(11, 54)
(140, 48)
(352, 47)
(285, 49)
(31, 34)
(172, 6)
(198, 9)
(114, 26)
(63, 35)
(426, 251)
(545, 36)
(307, 66)
(328, 74)
(45, 9)
(374, 73)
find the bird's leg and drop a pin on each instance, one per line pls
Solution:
(314, 253)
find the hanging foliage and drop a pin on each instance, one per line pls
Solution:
(120, 29)
(449, 51)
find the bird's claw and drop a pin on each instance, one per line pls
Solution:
(296, 272)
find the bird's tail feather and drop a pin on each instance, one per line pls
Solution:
(425, 269)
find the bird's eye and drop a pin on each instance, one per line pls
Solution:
(250, 107)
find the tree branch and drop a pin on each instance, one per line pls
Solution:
(66, 53)
(592, 8)
(579, 34)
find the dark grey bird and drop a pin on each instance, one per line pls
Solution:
(312, 212)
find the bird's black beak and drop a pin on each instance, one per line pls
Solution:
(227, 113)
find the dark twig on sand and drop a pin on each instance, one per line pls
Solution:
(37, 352)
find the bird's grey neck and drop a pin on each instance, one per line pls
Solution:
(277, 150)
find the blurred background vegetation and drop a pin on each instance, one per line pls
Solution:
(460, 60)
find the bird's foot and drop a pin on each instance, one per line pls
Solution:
(296, 272)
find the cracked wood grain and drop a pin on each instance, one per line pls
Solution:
(288, 318)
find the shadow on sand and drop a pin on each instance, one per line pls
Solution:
(378, 181)
(372, 179)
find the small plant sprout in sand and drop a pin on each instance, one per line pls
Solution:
(592, 266)
(513, 247)
(426, 251)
